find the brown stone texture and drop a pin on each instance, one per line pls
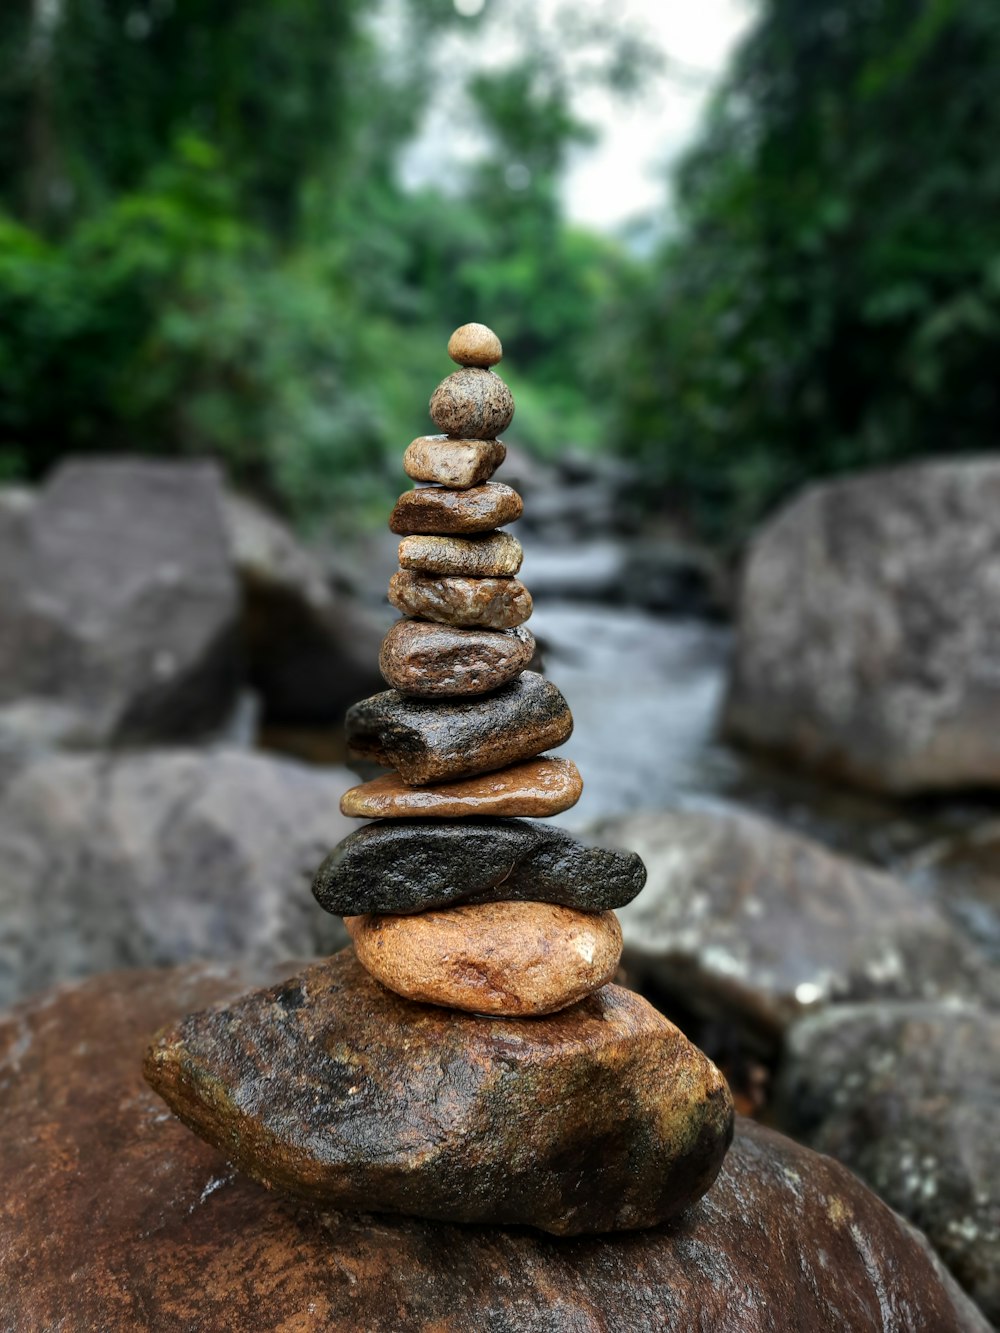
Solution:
(449, 462)
(439, 661)
(536, 788)
(869, 629)
(472, 403)
(486, 603)
(436, 741)
(489, 555)
(475, 345)
(115, 1217)
(332, 1088)
(437, 511)
(507, 958)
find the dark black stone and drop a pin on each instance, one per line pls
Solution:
(412, 865)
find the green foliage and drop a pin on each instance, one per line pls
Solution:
(833, 296)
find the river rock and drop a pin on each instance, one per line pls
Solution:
(438, 661)
(472, 403)
(869, 629)
(747, 923)
(158, 857)
(449, 462)
(437, 511)
(475, 345)
(535, 788)
(118, 602)
(483, 603)
(908, 1096)
(961, 872)
(331, 1087)
(403, 865)
(514, 959)
(114, 1216)
(437, 741)
(490, 555)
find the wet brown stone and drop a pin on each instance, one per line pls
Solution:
(475, 345)
(489, 555)
(473, 404)
(536, 788)
(115, 1217)
(438, 661)
(514, 959)
(434, 742)
(488, 603)
(437, 511)
(332, 1088)
(449, 462)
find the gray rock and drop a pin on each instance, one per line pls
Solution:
(156, 858)
(908, 1096)
(869, 629)
(743, 921)
(403, 865)
(962, 873)
(118, 603)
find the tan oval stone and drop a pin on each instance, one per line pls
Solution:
(475, 345)
(486, 555)
(456, 463)
(514, 959)
(537, 788)
(432, 661)
(492, 603)
(473, 404)
(439, 511)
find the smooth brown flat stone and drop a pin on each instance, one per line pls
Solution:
(475, 345)
(513, 959)
(473, 404)
(468, 603)
(489, 555)
(439, 511)
(435, 741)
(431, 661)
(536, 788)
(449, 462)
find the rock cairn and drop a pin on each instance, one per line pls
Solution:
(471, 1061)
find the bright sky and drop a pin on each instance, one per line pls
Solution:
(623, 176)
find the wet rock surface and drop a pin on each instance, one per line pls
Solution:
(516, 959)
(489, 555)
(430, 742)
(449, 462)
(400, 865)
(115, 1216)
(747, 922)
(490, 603)
(472, 402)
(160, 857)
(868, 629)
(438, 511)
(535, 788)
(439, 661)
(908, 1096)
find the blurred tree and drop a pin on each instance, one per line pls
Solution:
(832, 297)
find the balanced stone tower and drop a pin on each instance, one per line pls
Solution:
(469, 1059)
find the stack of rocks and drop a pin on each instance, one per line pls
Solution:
(471, 1061)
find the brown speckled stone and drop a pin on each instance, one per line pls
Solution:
(600, 1118)
(438, 511)
(535, 788)
(514, 959)
(490, 555)
(473, 404)
(440, 662)
(489, 603)
(475, 345)
(456, 463)
(434, 742)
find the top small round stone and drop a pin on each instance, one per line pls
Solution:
(475, 345)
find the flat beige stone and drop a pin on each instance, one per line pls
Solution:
(440, 511)
(534, 789)
(449, 462)
(507, 958)
(487, 603)
(488, 555)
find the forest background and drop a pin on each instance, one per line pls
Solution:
(207, 247)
